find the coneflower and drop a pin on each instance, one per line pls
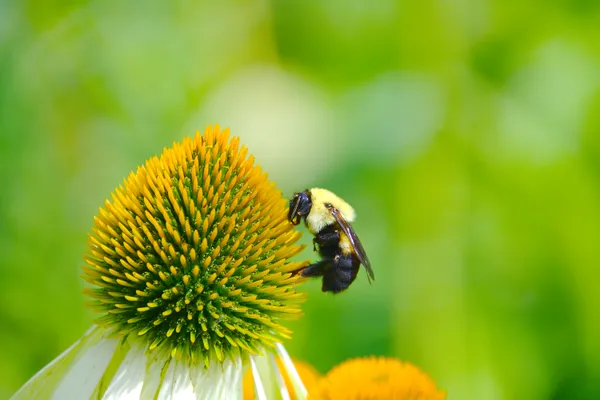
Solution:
(376, 378)
(189, 265)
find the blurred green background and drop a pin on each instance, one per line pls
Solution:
(465, 133)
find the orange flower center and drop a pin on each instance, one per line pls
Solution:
(376, 378)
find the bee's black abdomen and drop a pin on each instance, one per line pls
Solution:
(341, 274)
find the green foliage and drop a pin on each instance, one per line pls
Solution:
(465, 134)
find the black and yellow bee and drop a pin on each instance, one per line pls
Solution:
(327, 217)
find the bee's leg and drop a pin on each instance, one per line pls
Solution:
(316, 269)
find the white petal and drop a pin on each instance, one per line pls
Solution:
(268, 380)
(283, 391)
(129, 378)
(88, 367)
(99, 366)
(153, 379)
(219, 381)
(177, 384)
(49, 377)
(259, 388)
(299, 389)
(230, 384)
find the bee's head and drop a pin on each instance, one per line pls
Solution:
(300, 206)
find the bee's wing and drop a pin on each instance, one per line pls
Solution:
(358, 248)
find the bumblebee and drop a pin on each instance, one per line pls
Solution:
(327, 217)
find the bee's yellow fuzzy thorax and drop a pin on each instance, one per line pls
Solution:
(319, 216)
